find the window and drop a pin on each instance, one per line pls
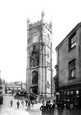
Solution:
(34, 77)
(72, 41)
(72, 69)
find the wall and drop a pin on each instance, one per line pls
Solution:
(64, 57)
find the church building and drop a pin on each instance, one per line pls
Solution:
(39, 75)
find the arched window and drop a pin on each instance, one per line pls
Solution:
(34, 77)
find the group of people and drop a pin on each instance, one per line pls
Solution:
(51, 108)
(48, 105)
(23, 103)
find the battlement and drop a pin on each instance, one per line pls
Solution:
(32, 25)
(35, 24)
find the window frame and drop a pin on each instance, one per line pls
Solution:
(72, 41)
(72, 69)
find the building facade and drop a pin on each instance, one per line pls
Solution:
(39, 57)
(68, 69)
(13, 87)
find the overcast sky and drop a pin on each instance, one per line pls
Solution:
(65, 14)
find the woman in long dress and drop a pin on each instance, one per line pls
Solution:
(56, 110)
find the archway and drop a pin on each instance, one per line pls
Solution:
(34, 77)
(35, 82)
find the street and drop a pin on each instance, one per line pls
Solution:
(6, 109)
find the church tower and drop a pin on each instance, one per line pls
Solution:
(39, 57)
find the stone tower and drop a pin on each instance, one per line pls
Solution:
(39, 57)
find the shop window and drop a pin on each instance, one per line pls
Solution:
(72, 97)
(68, 96)
(72, 41)
(72, 69)
(71, 92)
(67, 92)
(77, 92)
(76, 99)
(64, 96)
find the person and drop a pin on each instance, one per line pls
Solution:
(28, 107)
(18, 103)
(53, 106)
(26, 102)
(65, 110)
(11, 103)
(43, 108)
(32, 102)
(48, 105)
(22, 102)
(56, 110)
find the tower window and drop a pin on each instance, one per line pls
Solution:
(72, 41)
(72, 69)
(34, 77)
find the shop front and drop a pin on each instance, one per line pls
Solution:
(71, 96)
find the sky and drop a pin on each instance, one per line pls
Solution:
(64, 14)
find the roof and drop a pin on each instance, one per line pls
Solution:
(13, 86)
(70, 33)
